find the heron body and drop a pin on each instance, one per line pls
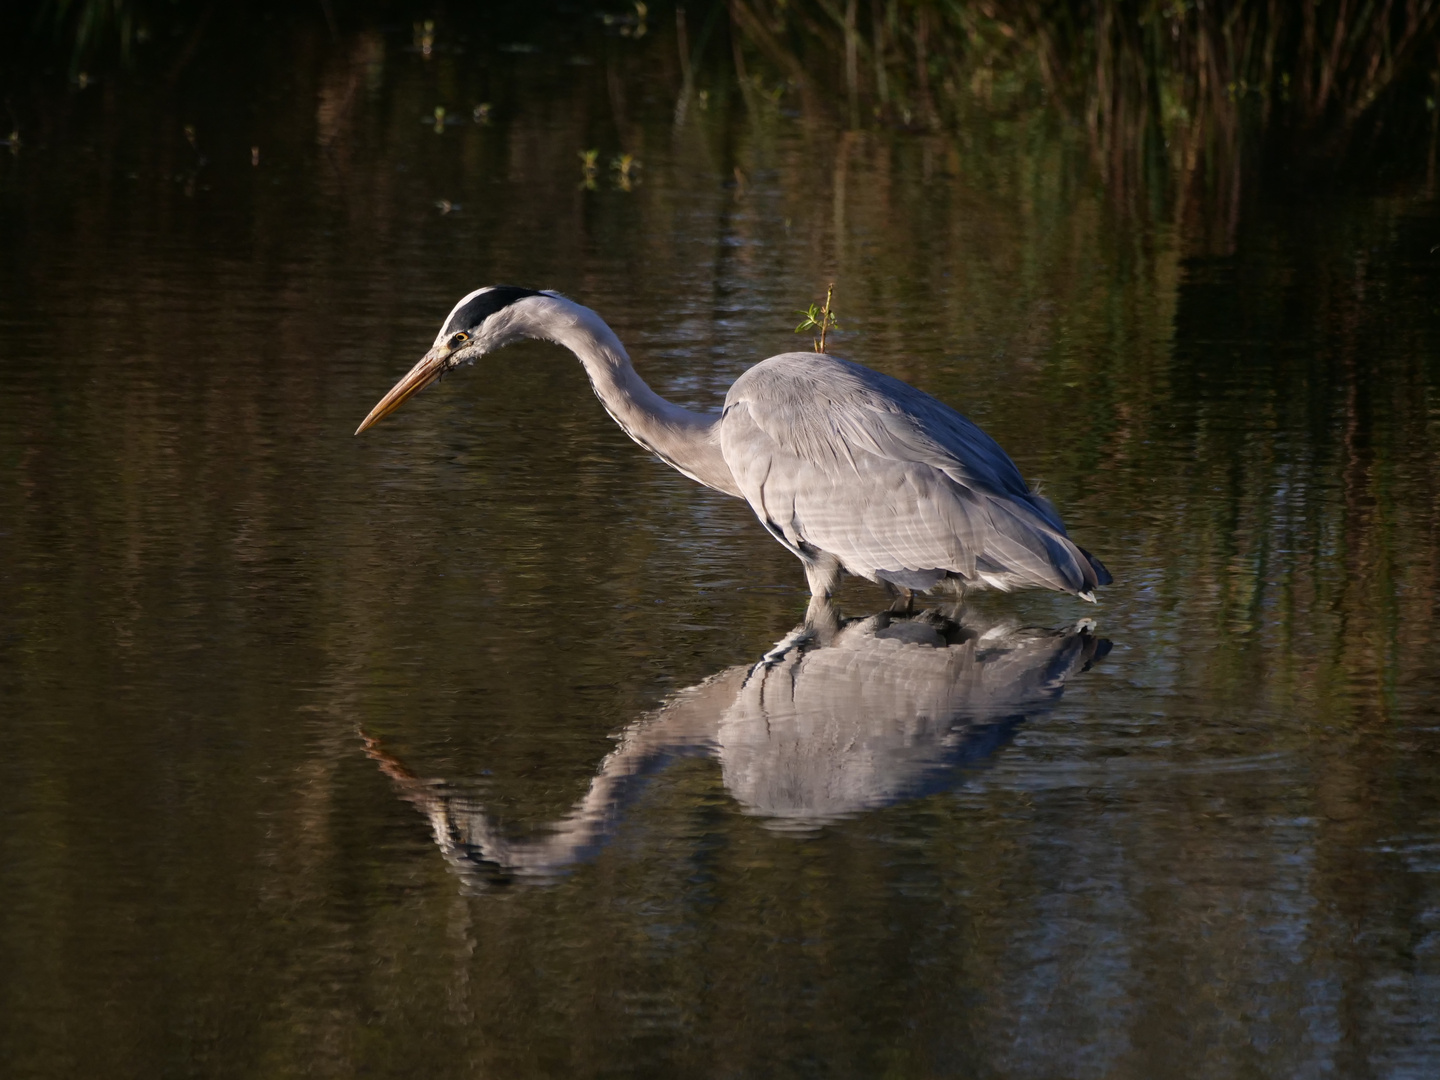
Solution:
(851, 470)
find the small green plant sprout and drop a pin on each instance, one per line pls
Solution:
(439, 119)
(629, 25)
(822, 319)
(624, 166)
(637, 28)
(588, 162)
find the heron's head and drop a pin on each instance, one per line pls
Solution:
(482, 322)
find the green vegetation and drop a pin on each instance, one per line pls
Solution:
(1155, 84)
(1122, 65)
(819, 318)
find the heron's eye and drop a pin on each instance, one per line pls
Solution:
(460, 338)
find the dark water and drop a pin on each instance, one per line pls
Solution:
(376, 756)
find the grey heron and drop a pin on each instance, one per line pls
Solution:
(850, 469)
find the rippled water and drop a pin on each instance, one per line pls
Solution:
(440, 751)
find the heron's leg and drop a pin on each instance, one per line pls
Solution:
(822, 620)
(823, 573)
(954, 587)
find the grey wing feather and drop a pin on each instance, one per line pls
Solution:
(837, 458)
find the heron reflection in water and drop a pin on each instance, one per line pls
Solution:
(882, 711)
(851, 470)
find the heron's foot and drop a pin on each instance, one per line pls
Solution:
(822, 623)
(903, 602)
(951, 611)
(796, 639)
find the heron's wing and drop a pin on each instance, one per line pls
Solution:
(836, 457)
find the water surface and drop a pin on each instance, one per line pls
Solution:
(252, 668)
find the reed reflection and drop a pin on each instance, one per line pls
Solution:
(873, 712)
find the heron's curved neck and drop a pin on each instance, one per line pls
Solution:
(686, 440)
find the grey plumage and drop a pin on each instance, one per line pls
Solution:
(850, 469)
(837, 459)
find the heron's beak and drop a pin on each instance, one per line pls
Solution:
(431, 366)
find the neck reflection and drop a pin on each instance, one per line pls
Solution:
(866, 714)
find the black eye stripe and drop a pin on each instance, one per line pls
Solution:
(486, 304)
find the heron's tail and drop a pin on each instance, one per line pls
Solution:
(1102, 576)
(1023, 548)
